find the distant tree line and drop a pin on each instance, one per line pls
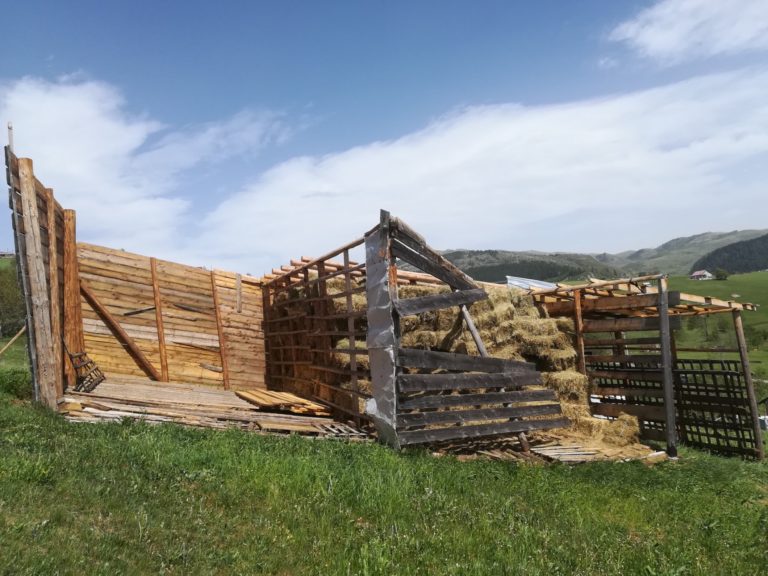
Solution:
(737, 258)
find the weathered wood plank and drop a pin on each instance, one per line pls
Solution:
(220, 329)
(38, 287)
(641, 411)
(414, 306)
(441, 401)
(119, 332)
(408, 383)
(53, 286)
(460, 416)
(483, 430)
(430, 265)
(159, 321)
(629, 324)
(433, 360)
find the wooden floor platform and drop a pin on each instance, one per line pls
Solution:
(121, 397)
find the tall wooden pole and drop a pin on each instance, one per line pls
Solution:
(578, 324)
(38, 286)
(73, 319)
(667, 373)
(159, 321)
(743, 353)
(220, 330)
(53, 283)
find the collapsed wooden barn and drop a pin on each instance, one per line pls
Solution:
(212, 348)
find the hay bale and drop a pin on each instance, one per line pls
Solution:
(622, 431)
(570, 385)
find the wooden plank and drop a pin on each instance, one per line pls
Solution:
(433, 360)
(159, 321)
(414, 306)
(483, 430)
(478, 340)
(53, 284)
(38, 287)
(665, 331)
(137, 355)
(613, 304)
(408, 383)
(404, 236)
(431, 265)
(629, 324)
(442, 401)
(623, 391)
(744, 356)
(643, 358)
(610, 342)
(579, 335)
(460, 416)
(641, 375)
(220, 329)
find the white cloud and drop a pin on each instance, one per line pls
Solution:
(674, 31)
(602, 174)
(605, 174)
(120, 171)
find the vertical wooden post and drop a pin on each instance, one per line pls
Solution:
(53, 282)
(159, 321)
(743, 353)
(578, 323)
(383, 333)
(38, 286)
(239, 293)
(73, 320)
(351, 327)
(667, 373)
(220, 328)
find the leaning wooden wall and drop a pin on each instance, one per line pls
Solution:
(38, 224)
(190, 324)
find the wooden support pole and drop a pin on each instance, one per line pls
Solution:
(73, 319)
(220, 329)
(239, 293)
(743, 354)
(159, 321)
(667, 373)
(351, 325)
(38, 287)
(119, 332)
(578, 323)
(473, 330)
(53, 283)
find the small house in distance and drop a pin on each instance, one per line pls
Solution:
(702, 275)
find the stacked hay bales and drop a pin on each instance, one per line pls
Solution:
(511, 327)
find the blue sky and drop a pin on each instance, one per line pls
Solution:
(242, 134)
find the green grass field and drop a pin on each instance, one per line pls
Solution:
(135, 499)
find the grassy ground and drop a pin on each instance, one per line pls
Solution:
(134, 499)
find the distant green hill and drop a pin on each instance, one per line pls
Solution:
(494, 265)
(739, 257)
(677, 256)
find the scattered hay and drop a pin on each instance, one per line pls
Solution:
(571, 386)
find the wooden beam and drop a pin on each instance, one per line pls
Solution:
(414, 306)
(578, 322)
(476, 415)
(483, 430)
(159, 321)
(12, 340)
(628, 324)
(473, 331)
(119, 332)
(744, 355)
(220, 329)
(665, 331)
(239, 293)
(53, 284)
(434, 360)
(432, 263)
(38, 287)
(481, 399)
(613, 304)
(73, 320)
(446, 382)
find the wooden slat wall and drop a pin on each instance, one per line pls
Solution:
(122, 282)
(50, 240)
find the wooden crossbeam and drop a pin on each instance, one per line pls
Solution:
(135, 352)
(414, 306)
(628, 324)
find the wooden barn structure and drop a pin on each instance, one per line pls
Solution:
(625, 341)
(114, 334)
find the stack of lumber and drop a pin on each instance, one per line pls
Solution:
(191, 405)
(271, 400)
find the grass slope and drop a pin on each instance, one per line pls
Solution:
(744, 256)
(134, 499)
